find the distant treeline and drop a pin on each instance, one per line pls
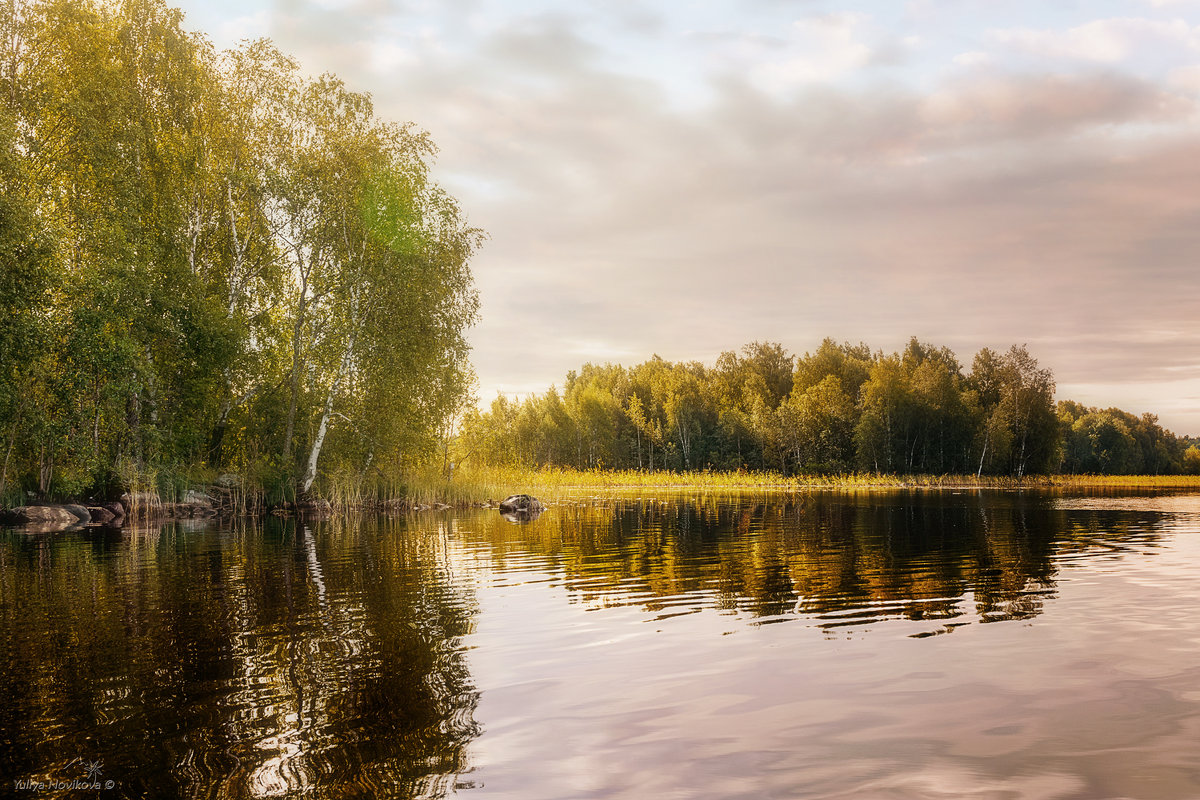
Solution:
(841, 408)
(210, 262)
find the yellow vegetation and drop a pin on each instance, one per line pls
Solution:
(475, 484)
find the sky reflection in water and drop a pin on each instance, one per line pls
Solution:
(628, 650)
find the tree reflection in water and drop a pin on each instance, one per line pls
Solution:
(238, 663)
(330, 660)
(836, 559)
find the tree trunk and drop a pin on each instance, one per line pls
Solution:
(218, 432)
(12, 437)
(45, 473)
(987, 434)
(133, 417)
(310, 472)
(362, 476)
(290, 429)
(297, 330)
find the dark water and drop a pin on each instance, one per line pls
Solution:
(945, 645)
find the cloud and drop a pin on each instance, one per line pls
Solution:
(824, 48)
(1036, 106)
(987, 212)
(1108, 41)
(806, 194)
(250, 26)
(973, 58)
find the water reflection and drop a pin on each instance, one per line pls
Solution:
(833, 560)
(444, 652)
(237, 663)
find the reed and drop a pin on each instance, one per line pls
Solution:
(476, 484)
(1127, 481)
(258, 490)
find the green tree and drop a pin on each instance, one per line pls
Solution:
(850, 363)
(1020, 429)
(884, 427)
(818, 427)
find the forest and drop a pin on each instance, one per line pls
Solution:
(210, 262)
(843, 408)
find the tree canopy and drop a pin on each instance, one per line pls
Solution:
(212, 259)
(840, 408)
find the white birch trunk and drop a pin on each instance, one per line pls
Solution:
(310, 472)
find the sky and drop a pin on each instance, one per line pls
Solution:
(683, 178)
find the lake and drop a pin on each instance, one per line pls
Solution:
(876, 644)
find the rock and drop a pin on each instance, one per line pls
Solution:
(521, 503)
(521, 508)
(81, 513)
(45, 517)
(142, 504)
(115, 508)
(194, 498)
(188, 511)
(193, 505)
(47, 527)
(101, 515)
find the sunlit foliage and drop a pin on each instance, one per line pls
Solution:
(210, 261)
(843, 408)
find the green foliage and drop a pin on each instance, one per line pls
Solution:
(199, 251)
(833, 411)
(1191, 460)
(1115, 442)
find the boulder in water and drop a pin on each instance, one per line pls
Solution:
(520, 503)
(46, 518)
(521, 508)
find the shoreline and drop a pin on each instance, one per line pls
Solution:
(483, 490)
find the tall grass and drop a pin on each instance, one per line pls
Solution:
(150, 487)
(1127, 481)
(258, 490)
(477, 484)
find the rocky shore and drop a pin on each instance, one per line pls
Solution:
(222, 502)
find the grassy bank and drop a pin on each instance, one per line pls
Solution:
(480, 484)
(255, 494)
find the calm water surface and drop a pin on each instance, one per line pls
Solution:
(882, 645)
